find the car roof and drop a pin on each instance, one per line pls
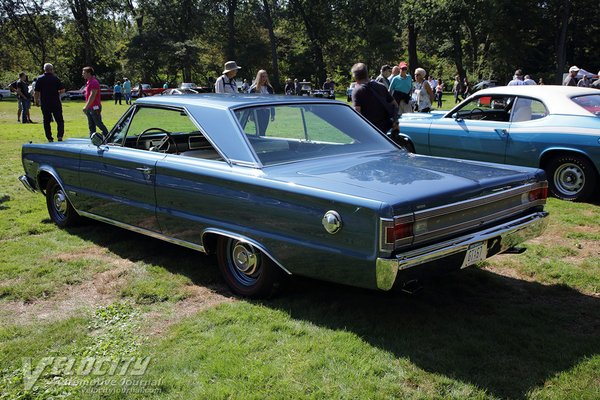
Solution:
(229, 101)
(212, 112)
(556, 98)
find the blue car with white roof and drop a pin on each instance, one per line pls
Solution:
(555, 128)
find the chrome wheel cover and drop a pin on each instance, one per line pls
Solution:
(244, 262)
(59, 200)
(569, 179)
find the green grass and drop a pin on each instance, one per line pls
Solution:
(519, 326)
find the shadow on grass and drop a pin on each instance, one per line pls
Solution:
(504, 335)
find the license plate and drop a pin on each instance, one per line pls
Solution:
(477, 252)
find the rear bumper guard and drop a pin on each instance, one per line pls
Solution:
(25, 181)
(508, 235)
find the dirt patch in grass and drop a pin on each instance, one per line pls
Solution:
(200, 298)
(102, 289)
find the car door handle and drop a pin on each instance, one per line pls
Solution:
(502, 132)
(145, 170)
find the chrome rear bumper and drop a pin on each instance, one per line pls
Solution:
(25, 181)
(504, 237)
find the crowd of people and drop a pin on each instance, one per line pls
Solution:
(380, 99)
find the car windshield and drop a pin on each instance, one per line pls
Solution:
(287, 133)
(590, 102)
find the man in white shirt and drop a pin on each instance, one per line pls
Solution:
(517, 79)
(226, 82)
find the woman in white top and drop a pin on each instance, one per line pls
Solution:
(261, 85)
(423, 94)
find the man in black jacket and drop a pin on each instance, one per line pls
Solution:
(373, 101)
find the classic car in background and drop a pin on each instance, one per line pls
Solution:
(276, 185)
(194, 87)
(172, 91)
(147, 90)
(556, 128)
(5, 93)
(305, 88)
(106, 92)
(485, 84)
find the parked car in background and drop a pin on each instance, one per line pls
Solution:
(146, 89)
(324, 93)
(314, 190)
(173, 91)
(485, 84)
(196, 88)
(556, 128)
(106, 92)
(305, 88)
(350, 90)
(5, 93)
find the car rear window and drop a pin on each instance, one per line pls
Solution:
(590, 102)
(284, 133)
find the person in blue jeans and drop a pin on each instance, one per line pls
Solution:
(127, 90)
(118, 92)
(23, 96)
(93, 104)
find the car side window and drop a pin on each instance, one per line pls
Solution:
(486, 107)
(528, 109)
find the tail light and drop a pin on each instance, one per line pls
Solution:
(396, 232)
(537, 195)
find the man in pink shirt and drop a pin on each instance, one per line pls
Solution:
(93, 105)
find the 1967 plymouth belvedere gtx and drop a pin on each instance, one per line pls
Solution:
(287, 185)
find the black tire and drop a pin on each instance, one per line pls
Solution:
(60, 209)
(571, 177)
(253, 275)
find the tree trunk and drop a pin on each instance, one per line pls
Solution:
(564, 14)
(413, 59)
(231, 10)
(315, 42)
(457, 55)
(79, 9)
(273, 41)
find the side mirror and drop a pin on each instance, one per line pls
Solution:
(97, 139)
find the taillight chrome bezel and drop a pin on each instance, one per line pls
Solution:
(389, 230)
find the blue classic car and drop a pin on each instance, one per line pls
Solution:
(556, 128)
(279, 185)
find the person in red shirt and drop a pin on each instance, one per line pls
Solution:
(93, 104)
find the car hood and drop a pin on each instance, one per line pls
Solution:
(422, 116)
(402, 179)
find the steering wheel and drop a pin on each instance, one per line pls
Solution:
(167, 139)
(479, 110)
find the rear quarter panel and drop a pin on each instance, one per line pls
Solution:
(193, 196)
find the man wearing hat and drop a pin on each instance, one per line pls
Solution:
(226, 82)
(571, 79)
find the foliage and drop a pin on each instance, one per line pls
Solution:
(174, 41)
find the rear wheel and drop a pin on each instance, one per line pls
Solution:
(247, 270)
(60, 209)
(571, 177)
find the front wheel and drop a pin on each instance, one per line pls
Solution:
(60, 209)
(571, 177)
(247, 271)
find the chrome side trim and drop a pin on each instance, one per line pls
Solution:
(25, 181)
(143, 231)
(510, 234)
(242, 238)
